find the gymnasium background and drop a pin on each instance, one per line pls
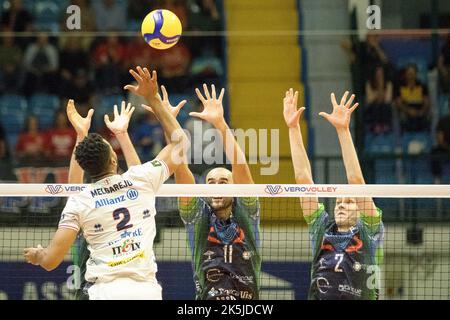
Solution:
(256, 50)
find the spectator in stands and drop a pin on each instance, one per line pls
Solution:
(413, 102)
(203, 15)
(81, 90)
(73, 58)
(174, 67)
(138, 9)
(206, 67)
(441, 153)
(10, 63)
(60, 139)
(3, 144)
(148, 137)
(379, 96)
(30, 147)
(17, 19)
(41, 62)
(110, 15)
(444, 66)
(109, 57)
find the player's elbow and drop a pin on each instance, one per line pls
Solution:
(50, 265)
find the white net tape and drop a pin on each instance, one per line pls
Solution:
(247, 190)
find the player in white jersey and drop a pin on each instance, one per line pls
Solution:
(116, 212)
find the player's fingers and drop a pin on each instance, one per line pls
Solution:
(141, 72)
(344, 98)
(147, 73)
(164, 92)
(196, 114)
(354, 107)
(136, 76)
(295, 99)
(131, 111)
(199, 95)
(116, 113)
(122, 107)
(222, 92)
(324, 115)
(333, 99)
(146, 107)
(205, 89)
(106, 118)
(131, 88)
(154, 76)
(90, 114)
(350, 101)
(181, 105)
(213, 92)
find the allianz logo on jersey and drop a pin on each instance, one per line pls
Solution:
(132, 194)
(126, 247)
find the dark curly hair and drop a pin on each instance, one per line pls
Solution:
(93, 154)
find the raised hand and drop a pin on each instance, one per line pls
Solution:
(80, 124)
(120, 123)
(166, 103)
(290, 112)
(147, 86)
(340, 117)
(212, 106)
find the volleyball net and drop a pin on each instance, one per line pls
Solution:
(415, 263)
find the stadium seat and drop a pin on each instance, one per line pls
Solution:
(44, 107)
(379, 144)
(13, 113)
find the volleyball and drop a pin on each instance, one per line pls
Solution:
(161, 29)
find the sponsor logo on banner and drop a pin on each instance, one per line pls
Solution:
(54, 189)
(275, 189)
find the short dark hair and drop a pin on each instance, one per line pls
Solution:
(93, 154)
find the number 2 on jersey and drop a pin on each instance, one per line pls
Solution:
(126, 218)
(339, 257)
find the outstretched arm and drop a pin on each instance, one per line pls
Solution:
(183, 174)
(81, 126)
(119, 127)
(300, 161)
(174, 153)
(340, 119)
(213, 113)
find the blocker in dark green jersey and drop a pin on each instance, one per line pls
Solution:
(225, 254)
(346, 264)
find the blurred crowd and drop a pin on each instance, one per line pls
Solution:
(39, 73)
